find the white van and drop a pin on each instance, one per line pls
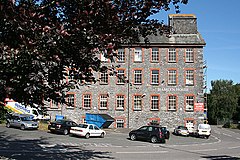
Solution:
(204, 130)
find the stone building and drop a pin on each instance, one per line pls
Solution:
(166, 82)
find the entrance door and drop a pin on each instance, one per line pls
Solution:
(190, 125)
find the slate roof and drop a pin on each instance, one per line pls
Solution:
(175, 39)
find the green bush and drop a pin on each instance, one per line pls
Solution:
(227, 125)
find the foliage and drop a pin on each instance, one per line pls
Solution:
(3, 111)
(42, 41)
(222, 101)
(236, 116)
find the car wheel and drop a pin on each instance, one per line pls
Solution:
(87, 135)
(154, 139)
(133, 137)
(8, 125)
(22, 127)
(65, 131)
(102, 135)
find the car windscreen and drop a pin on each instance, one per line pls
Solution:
(26, 118)
(82, 125)
(204, 126)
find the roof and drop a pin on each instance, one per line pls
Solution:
(175, 39)
(182, 15)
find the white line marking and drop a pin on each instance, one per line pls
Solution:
(203, 150)
(234, 147)
(227, 134)
(142, 152)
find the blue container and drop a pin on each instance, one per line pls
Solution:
(100, 120)
(59, 117)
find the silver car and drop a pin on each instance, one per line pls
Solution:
(22, 121)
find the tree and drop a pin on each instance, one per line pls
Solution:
(236, 115)
(222, 101)
(39, 39)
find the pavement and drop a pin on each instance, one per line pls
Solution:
(118, 130)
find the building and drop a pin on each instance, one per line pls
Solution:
(166, 82)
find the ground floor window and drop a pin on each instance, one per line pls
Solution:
(119, 123)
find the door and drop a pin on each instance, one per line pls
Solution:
(190, 125)
(97, 131)
(17, 122)
(91, 130)
(142, 132)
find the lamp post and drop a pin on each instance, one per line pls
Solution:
(129, 56)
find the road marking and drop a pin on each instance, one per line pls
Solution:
(203, 150)
(47, 145)
(227, 134)
(238, 138)
(153, 152)
(234, 147)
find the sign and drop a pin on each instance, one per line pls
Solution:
(173, 89)
(199, 107)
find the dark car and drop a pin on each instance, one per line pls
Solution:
(61, 126)
(149, 133)
(165, 132)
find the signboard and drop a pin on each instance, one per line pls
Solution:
(199, 107)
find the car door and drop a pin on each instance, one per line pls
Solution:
(91, 130)
(97, 131)
(17, 122)
(142, 132)
(11, 121)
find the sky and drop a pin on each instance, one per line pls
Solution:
(219, 24)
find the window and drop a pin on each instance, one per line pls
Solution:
(121, 55)
(155, 77)
(155, 55)
(172, 55)
(71, 100)
(103, 56)
(172, 103)
(120, 102)
(137, 104)
(119, 123)
(103, 101)
(96, 128)
(87, 101)
(155, 102)
(189, 55)
(137, 76)
(189, 103)
(138, 55)
(189, 77)
(172, 77)
(91, 127)
(54, 104)
(120, 76)
(104, 78)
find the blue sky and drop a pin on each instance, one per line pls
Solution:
(219, 24)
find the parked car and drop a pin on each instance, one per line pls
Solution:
(150, 133)
(87, 131)
(61, 126)
(165, 132)
(181, 130)
(204, 130)
(22, 121)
